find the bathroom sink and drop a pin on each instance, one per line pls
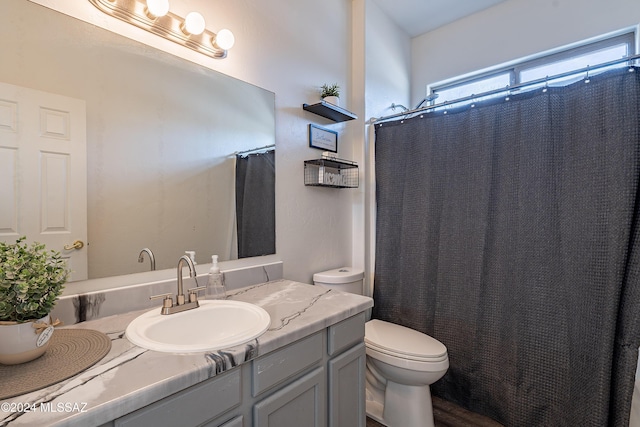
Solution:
(215, 325)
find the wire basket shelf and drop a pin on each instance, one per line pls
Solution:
(336, 173)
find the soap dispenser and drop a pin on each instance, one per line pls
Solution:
(215, 286)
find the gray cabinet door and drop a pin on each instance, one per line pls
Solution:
(236, 422)
(347, 388)
(301, 403)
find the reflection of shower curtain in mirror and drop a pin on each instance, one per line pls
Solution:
(255, 204)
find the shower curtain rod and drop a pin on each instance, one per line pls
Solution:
(255, 149)
(472, 97)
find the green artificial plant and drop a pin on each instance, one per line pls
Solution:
(31, 279)
(330, 90)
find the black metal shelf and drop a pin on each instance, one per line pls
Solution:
(330, 111)
(336, 173)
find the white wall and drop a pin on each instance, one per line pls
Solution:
(509, 31)
(388, 62)
(289, 48)
(386, 78)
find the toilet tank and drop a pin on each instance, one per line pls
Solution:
(345, 279)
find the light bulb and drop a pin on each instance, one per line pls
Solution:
(224, 39)
(194, 23)
(158, 8)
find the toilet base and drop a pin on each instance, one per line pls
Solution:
(403, 406)
(374, 411)
(408, 406)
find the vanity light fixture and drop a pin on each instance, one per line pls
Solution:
(224, 39)
(157, 8)
(193, 24)
(154, 16)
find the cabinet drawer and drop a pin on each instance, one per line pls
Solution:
(280, 365)
(192, 406)
(346, 334)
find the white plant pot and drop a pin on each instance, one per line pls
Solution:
(20, 342)
(332, 100)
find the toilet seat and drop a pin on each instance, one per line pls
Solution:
(404, 356)
(417, 366)
(402, 342)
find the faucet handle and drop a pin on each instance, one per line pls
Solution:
(193, 293)
(168, 299)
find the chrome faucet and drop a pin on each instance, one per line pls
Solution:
(181, 304)
(152, 258)
(192, 274)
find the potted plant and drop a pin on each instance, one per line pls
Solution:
(31, 279)
(330, 93)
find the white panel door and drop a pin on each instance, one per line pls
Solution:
(43, 172)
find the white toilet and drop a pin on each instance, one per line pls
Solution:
(401, 362)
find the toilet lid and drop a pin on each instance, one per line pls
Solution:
(339, 275)
(402, 340)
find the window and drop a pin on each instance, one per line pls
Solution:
(483, 84)
(575, 58)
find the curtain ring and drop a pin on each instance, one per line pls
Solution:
(586, 78)
(546, 85)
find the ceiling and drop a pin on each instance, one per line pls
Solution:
(421, 16)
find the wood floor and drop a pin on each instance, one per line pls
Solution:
(447, 414)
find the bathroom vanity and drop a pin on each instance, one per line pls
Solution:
(306, 370)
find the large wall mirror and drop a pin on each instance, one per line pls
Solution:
(163, 136)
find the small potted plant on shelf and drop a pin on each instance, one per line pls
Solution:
(330, 93)
(31, 279)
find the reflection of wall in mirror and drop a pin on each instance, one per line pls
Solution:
(160, 132)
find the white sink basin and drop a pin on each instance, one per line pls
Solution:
(215, 325)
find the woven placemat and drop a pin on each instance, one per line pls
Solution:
(70, 352)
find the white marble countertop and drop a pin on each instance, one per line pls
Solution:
(131, 377)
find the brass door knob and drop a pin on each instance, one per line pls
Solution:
(78, 244)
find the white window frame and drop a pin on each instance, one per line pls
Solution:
(626, 36)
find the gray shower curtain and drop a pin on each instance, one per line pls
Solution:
(509, 232)
(255, 203)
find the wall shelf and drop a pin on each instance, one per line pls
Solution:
(330, 111)
(335, 173)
